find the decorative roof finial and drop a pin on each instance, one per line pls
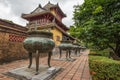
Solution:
(40, 6)
(57, 4)
(49, 2)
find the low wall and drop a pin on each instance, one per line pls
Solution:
(11, 47)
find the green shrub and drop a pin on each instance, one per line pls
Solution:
(94, 53)
(99, 52)
(103, 68)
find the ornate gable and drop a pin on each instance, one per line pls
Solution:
(55, 9)
(48, 6)
(39, 9)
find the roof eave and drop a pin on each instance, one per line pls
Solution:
(27, 16)
(64, 15)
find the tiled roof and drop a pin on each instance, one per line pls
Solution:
(11, 23)
(9, 26)
(48, 6)
(39, 9)
(25, 16)
(43, 12)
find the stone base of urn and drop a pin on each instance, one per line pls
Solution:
(74, 55)
(64, 59)
(24, 73)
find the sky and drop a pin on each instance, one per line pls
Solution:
(12, 9)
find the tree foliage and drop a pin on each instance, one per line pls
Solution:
(98, 22)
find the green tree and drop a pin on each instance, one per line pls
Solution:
(98, 22)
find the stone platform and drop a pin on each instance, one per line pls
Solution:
(24, 73)
(74, 55)
(64, 59)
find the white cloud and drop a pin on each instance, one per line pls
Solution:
(12, 9)
(5, 10)
(7, 13)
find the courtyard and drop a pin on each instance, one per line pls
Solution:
(76, 70)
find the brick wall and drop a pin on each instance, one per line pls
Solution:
(11, 47)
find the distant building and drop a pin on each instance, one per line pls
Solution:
(48, 17)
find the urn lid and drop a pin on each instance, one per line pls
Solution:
(40, 33)
(76, 44)
(65, 41)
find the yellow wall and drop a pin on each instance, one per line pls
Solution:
(56, 33)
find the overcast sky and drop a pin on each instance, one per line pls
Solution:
(12, 9)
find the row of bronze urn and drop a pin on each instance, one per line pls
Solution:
(40, 42)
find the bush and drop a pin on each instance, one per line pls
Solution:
(103, 68)
(99, 52)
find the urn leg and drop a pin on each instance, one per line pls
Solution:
(60, 53)
(66, 54)
(75, 51)
(30, 59)
(37, 62)
(69, 54)
(49, 58)
(79, 51)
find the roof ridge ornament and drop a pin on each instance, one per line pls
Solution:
(49, 2)
(40, 6)
(57, 4)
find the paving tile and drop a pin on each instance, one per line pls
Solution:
(76, 70)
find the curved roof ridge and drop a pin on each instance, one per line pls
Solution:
(48, 6)
(38, 9)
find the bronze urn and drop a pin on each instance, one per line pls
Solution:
(76, 48)
(39, 42)
(67, 46)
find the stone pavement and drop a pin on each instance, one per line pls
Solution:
(76, 70)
